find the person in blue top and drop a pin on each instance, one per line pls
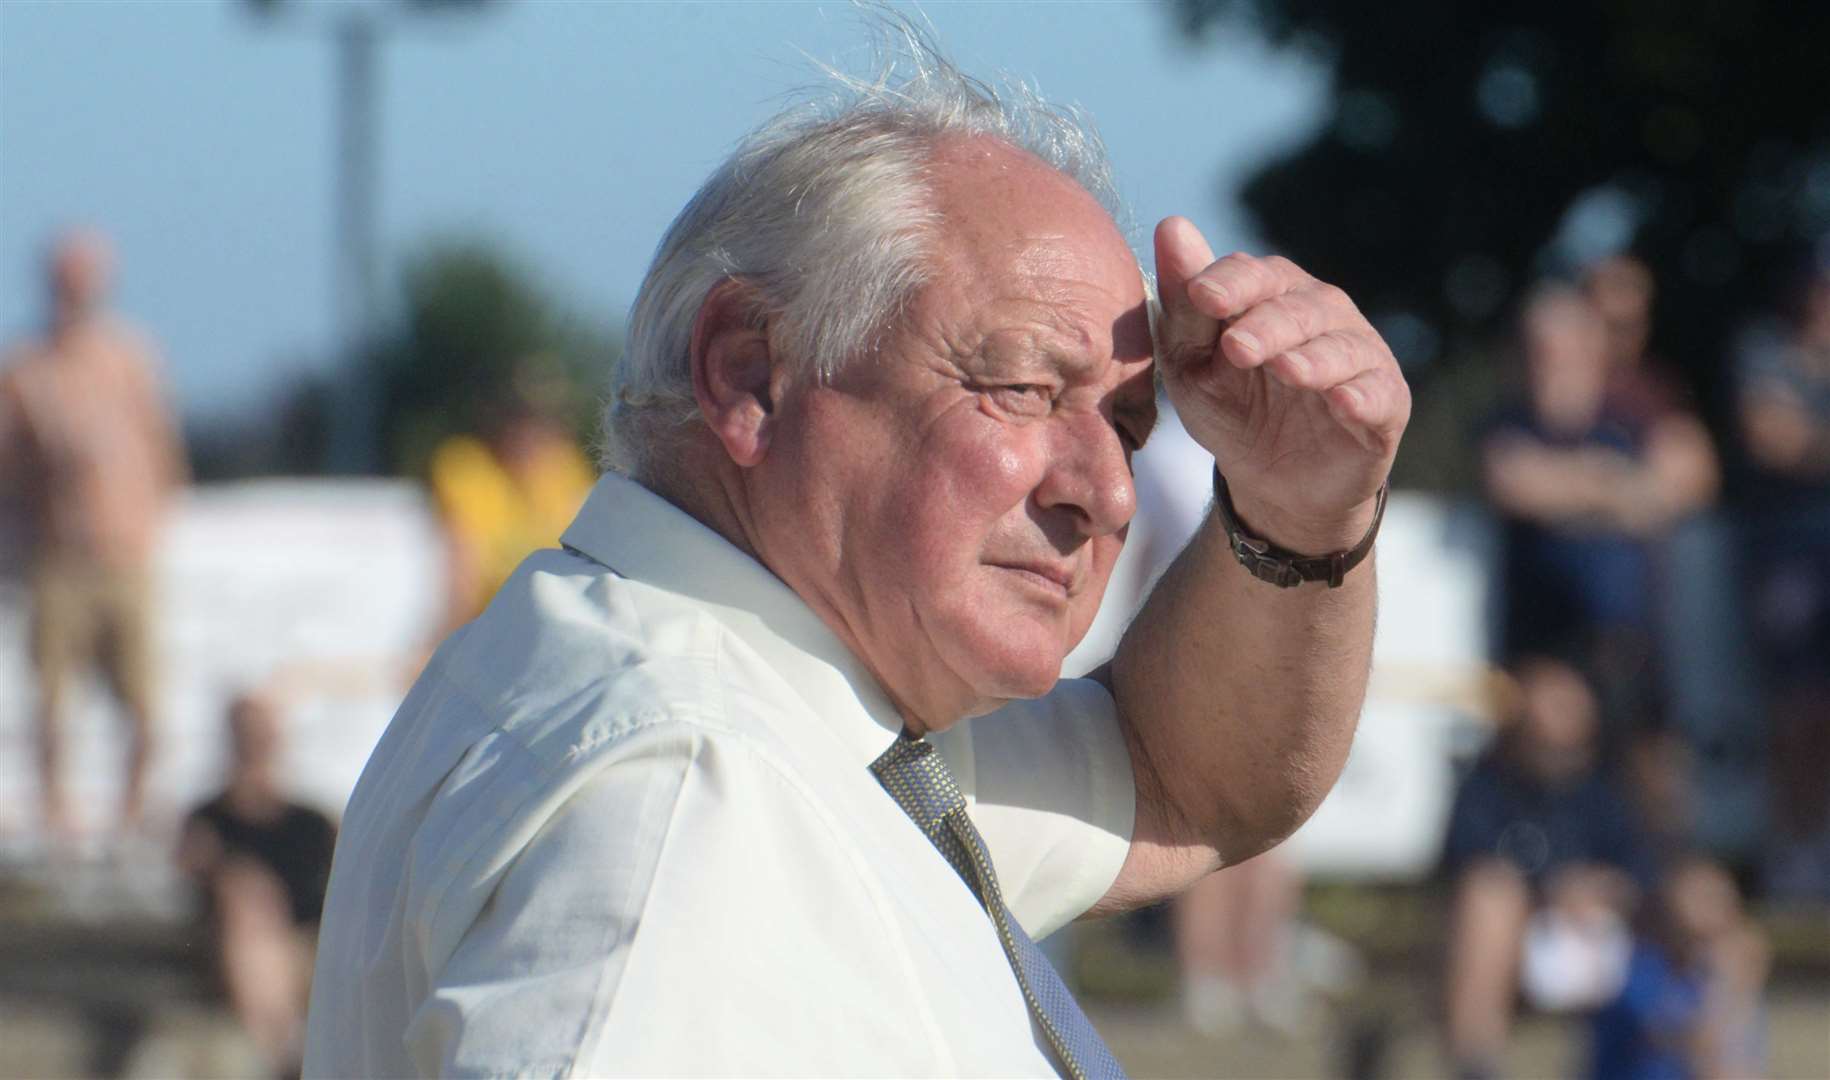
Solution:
(1690, 1003)
(1534, 827)
(1587, 479)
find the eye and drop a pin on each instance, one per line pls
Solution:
(1024, 399)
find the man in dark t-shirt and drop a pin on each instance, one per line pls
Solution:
(261, 863)
(294, 845)
(1534, 828)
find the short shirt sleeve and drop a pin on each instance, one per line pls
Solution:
(1052, 793)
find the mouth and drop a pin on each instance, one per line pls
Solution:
(1056, 579)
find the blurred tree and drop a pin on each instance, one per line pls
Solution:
(476, 333)
(1475, 147)
(285, 436)
(475, 336)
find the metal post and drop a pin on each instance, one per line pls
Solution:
(354, 445)
(357, 27)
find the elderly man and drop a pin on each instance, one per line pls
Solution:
(701, 795)
(87, 437)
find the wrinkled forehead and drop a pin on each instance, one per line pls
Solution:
(1008, 220)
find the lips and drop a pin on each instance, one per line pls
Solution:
(1058, 576)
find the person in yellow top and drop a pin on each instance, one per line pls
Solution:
(501, 497)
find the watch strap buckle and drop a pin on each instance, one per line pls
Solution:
(1286, 569)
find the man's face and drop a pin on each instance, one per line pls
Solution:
(1566, 356)
(953, 505)
(79, 268)
(1558, 721)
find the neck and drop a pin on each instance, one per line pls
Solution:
(709, 488)
(252, 792)
(704, 483)
(66, 320)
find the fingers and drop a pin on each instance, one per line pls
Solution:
(1286, 321)
(1234, 284)
(1184, 331)
(1306, 333)
(1373, 407)
(1329, 358)
(1308, 337)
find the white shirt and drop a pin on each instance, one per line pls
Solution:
(624, 824)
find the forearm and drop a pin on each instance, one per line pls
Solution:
(1240, 698)
(1545, 485)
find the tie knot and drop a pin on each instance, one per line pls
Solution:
(916, 776)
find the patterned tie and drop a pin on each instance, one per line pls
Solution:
(917, 779)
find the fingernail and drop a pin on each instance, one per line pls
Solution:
(1217, 290)
(1298, 365)
(1245, 343)
(1353, 395)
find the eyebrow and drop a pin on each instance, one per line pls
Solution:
(1138, 410)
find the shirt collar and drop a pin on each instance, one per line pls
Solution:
(643, 537)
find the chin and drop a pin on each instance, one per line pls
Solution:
(1007, 669)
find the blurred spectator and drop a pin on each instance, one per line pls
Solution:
(1643, 390)
(1235, 932)
(1710, 687)
(1544, 865)
(89, 444)
(261, 864)
(505, 493)
(1690, 1005)
(1785, 423)
(1589, 467)
(1785, 397)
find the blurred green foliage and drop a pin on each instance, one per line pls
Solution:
(476, 339)
(1473, 148)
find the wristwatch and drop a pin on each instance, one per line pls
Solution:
(1286, 569)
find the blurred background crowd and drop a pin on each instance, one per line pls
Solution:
(264, 441)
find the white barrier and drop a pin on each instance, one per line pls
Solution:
(332, 586)
(335, 582)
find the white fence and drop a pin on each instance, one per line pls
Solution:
(326, 587)
(330, 587)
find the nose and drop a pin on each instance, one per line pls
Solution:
(1089, 476)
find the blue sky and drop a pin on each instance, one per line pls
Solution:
(570, 132)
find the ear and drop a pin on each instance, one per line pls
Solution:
(734, 376)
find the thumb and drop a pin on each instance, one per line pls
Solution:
(1181, 252)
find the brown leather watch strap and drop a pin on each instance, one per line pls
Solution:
(1287, 569)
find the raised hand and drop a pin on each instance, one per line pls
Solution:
(1281, 378)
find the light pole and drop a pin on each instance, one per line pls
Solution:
(356, 28)
(353, 439)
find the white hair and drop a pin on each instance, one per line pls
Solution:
(825, 212)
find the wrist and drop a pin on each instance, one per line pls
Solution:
(1307, 534)
(1270, 561)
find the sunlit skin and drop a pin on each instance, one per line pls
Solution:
(951, 503)
(80, 267)
(1566, 355)
(982, 458)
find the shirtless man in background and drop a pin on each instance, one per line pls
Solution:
(88, 445)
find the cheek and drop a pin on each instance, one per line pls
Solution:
(1105, 551)
(973, 485)
(990, 456)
